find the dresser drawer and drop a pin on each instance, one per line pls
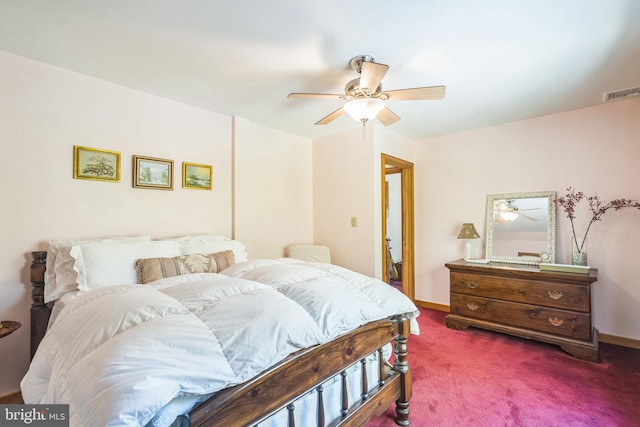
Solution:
(558, 322)
(539, 293)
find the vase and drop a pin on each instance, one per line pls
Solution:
(579, 257)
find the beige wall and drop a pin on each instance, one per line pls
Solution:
(45, 110)
(347, 183)
(343, 188)
(273, 197)
(594, 150)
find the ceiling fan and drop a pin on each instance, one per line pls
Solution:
(365, 95)
(506, 211)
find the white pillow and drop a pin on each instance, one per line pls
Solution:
(239, 252)
(60, 277)
(113, 263)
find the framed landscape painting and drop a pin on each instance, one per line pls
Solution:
(152, 173)
(196, 176)
(96, 164)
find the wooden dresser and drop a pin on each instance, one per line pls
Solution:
(521, 300)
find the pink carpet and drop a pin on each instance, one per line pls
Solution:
(485, 379)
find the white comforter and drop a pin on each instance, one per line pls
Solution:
(119, 354)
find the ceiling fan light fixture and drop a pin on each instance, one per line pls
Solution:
(509, 215)
(364, 109)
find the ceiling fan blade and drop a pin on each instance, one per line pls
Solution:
(418, 93)
(387, 117)
(315, 95)
(528, 217)
(371, 75)
(331, 117)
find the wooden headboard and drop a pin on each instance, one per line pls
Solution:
(40, 311)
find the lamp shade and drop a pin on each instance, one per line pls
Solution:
(364, 109)
(468, 231)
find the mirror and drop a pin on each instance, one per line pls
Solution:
(521, 227)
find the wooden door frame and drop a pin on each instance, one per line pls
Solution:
(405, 169)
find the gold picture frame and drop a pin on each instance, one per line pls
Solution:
(197, 176)
(96, 164)
(152, 173)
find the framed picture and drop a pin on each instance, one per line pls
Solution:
(96, 164)
(196, 176)
(150, 172)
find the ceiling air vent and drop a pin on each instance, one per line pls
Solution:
(620, 94)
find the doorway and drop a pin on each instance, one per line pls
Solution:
(392, 166)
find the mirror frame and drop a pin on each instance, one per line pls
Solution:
(549, 256)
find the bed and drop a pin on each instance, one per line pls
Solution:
(326, 359)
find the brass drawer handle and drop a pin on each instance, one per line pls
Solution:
(471, 285)
(555, 321)
(555, 294)
(472, 306)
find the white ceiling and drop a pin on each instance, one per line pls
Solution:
(501, 60)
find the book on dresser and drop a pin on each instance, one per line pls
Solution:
(526, 301)
(567, 268)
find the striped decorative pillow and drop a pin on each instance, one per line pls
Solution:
(150, 269)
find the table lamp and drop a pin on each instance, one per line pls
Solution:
(468, 232)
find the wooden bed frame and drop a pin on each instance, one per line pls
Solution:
(279, 386)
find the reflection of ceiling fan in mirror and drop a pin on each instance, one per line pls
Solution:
(365, 95)
(507, 211)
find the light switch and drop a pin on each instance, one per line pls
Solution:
(354, 221)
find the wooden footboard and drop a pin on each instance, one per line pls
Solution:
(278, 387)
(250, 402)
